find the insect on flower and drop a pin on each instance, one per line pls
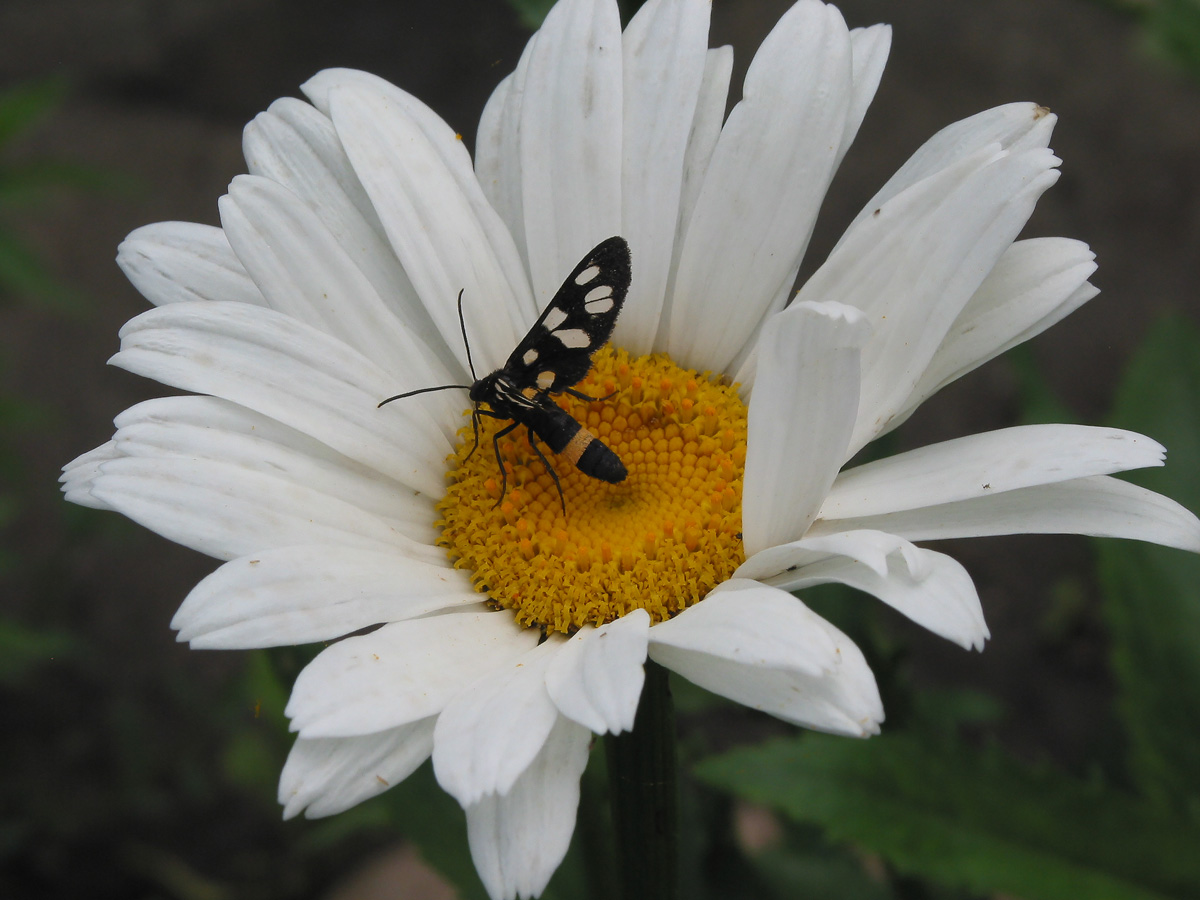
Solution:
(552, 358)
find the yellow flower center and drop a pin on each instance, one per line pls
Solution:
(659, 540)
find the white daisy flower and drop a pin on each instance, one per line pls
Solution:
(332, 283)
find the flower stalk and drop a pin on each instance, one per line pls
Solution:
(645, 796)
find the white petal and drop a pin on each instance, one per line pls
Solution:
(490, 733)
(1014, 126)
(706, 130)
(665, 46)
(519, 839)
(226, 511)
(433, 223)
(913, 265)
(174, 262)
(801, 414)
(455, 159)
(80, 473)
(401, 672)
(1100, 506)
(941, 598)
(869, 548)
(306, 274)
(765, 649)
(214, 429)
(314, 592)
(752, 625)
(284, 369)
(1036, 273)
(571, 139)
(984, 464)
(498, 153)
(763, 186)
(1035, 284)
(324, 776)
(298, 147)
(930, 588)
(597, 677)
(870, 47)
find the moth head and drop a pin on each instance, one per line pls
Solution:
(485, 387)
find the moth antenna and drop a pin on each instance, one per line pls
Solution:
(462, 324)
(440, 387)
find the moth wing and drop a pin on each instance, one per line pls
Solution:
(578, 321)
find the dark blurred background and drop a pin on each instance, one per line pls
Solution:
(133, 767)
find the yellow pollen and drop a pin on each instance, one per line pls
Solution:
(660, 540)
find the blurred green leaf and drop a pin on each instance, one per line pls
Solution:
(22, 650)
(257, 747)
(1152, 594)
(23, 274)
(22, 106)
(249, 761)
(1038, 403)
(18, 414)
(28, 182)
(531, 12)
(1069, 608)
(969, 819)
(1158, 394)
(691, 699)
(817, 874)
(266, 689)
(1170, 28)
(1173, 28)
(25, 184)
(946, 712)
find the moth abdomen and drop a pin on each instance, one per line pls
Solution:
(565, 436)
(598, 461)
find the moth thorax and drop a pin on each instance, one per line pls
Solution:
(485, 387)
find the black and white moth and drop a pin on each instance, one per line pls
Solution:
(552, 358)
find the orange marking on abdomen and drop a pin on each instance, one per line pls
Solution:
(577, 445)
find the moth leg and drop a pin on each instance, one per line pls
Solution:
(575, 393)
(549, 468)
(475, 424)
(496, 449)
(475, 414)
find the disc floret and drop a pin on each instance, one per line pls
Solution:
(659, 540)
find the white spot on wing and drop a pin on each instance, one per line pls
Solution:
(575, 338)
(554, 317)
(544, 380)
(587, 274)
(530, 356)
(603, 290)
(600, 305)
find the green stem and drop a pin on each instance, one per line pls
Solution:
(644, 795)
